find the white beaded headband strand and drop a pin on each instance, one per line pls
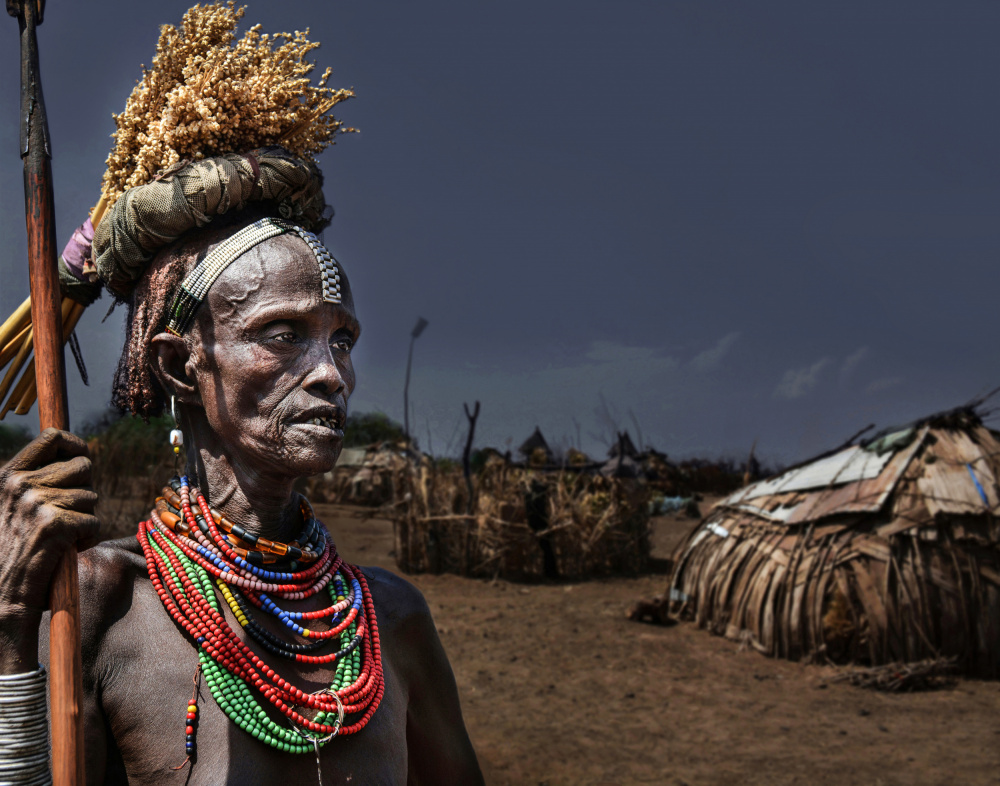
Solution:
(196, 284)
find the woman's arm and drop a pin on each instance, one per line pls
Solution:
(437, 742)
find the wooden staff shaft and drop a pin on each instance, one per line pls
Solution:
(66, 688)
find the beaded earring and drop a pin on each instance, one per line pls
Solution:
(176, 435)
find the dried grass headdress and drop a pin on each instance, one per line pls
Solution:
(214, 125)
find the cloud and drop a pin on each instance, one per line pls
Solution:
(850, 363)
(882, 384)
(711, 358)
(797, 382)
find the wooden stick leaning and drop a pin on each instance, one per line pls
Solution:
(31, 394)
(65, 669)
(18, 362)
(7, 353)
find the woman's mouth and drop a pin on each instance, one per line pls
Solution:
(330, 423)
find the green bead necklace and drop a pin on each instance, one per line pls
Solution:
(187, 556)
(233, 695)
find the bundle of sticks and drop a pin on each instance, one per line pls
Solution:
(16, 354)
(899, 677)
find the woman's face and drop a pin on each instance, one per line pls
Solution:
(272, 361)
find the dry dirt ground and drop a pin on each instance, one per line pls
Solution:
(559, 688)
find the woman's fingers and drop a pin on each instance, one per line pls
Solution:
(76, 500)
(76, 527)
(51, 445)
(74, 473)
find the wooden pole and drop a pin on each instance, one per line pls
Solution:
(414, 335)
(467, 453)
(65, 683)
(406, 395)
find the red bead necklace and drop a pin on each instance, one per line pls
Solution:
(185, 549)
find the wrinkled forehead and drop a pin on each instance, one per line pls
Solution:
(281, 272)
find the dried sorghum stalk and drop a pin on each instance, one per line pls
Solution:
(204, 96)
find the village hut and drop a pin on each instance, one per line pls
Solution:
(536, 450)
(621, 466)
(878, 552)
(524, 524)
(363, 476)
(623, 446)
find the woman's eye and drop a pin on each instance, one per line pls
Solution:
(343, 344)
(287, 337)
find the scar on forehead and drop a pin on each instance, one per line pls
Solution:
(232, 291)
(283, 261)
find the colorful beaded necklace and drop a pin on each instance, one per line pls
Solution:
(191, 550)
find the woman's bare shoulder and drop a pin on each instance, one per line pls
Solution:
(107, 565)
(108, 575)
(395, 598)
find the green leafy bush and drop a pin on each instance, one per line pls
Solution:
(366, 428)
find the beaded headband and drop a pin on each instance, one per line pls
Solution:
(196, 284)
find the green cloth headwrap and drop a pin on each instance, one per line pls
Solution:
(189, 195)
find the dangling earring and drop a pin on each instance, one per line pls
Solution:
(176, 435)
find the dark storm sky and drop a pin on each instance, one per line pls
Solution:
(738, 221)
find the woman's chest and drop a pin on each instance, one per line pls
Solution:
(145, 700)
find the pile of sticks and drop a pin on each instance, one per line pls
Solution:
(901, 677)
(17, 338)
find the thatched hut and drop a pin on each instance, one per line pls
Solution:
(623, 446)
(881, 551)
(363, 476)
(536, 450)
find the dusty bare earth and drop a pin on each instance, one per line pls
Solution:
(559, 688)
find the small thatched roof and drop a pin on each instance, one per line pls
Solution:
(887, 550)
(533, 443)
(624, 445)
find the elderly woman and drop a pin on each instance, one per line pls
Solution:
(228, 642)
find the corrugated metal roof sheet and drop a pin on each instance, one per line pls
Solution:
(849, 465)
(864, 496)
(851, 486)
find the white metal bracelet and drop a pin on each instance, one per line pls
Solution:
(24, 730)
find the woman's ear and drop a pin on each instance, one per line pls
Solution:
(170, 361)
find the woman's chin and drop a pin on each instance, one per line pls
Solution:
(314, 459)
